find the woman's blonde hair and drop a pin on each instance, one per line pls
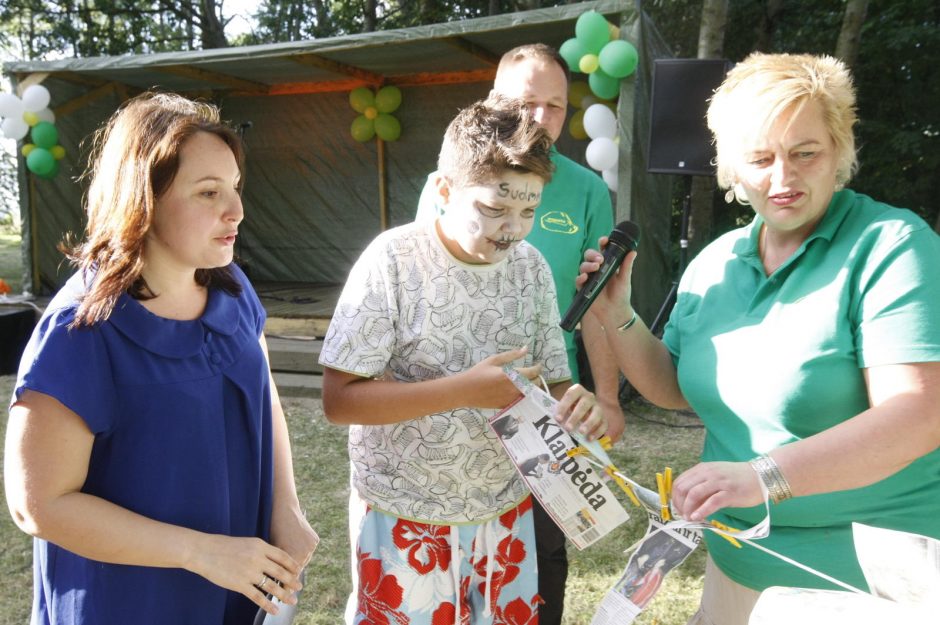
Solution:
(763, 86)
(134, 159)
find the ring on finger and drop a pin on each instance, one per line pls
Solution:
(264, 580)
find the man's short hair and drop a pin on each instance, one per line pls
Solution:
(537, 51)
(490, 137)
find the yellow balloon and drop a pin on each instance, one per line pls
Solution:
(576, 126)
(29, 147)
(614, 31)
(30, 118)
(371, 112)
(577, 91)
(588, 63)
(58, 152)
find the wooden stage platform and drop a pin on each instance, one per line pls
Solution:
(298, 317)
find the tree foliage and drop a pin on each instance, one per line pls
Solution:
(896, 76)
(43, 29)
(896, 71)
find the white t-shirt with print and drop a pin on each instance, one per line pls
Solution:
(410, 311)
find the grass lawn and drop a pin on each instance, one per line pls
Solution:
(11, 262)
(322, 477)
(320, 463)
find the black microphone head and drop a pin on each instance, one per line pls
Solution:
(626, 234)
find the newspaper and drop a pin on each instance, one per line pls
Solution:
(571, 489)
(665, 546)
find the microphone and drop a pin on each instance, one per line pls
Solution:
(623, 238)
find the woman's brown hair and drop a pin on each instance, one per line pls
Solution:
(134, 159)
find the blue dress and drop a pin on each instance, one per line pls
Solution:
(181, 413)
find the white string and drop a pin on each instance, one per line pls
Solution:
(752, 543)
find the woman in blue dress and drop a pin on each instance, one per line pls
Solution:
(146, 450)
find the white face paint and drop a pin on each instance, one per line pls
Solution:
(482, 223)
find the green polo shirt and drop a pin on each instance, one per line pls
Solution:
(575, 212)
(766, 361)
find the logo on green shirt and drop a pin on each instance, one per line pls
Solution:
(558, 221)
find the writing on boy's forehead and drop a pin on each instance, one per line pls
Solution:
(515, 191)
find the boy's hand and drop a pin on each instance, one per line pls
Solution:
(578, 410)
(489, 387)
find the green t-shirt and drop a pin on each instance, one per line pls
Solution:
(575, 212)
(766, 361)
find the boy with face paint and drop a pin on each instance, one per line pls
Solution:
(440, 521)
(575, 212)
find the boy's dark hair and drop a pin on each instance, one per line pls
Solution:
(492, 136)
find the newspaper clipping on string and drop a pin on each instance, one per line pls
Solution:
(665, 546)
(572, 490)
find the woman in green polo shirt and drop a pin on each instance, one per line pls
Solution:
(807, 341)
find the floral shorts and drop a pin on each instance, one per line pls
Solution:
(411, 573)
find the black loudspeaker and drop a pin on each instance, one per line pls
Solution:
(680, 142)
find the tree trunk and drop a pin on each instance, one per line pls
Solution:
(765, 30)
(369, 20)
(711, 34)
(322, 14)
(711, 38)
(213, 35)
(494, 7)
(849, 36)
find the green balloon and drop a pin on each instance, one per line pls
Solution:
(618, 58)
(362, 129)
(52, 173)
(40, 161)
(604, 86)
(361, 98)
(388, 99)
(572, 51)
(592, 30)
(44, 135)
(387, 127)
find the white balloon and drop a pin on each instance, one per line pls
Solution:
(601, 153)
(35, 98)
(46, 115)
(11, 106)
(14, 128)
(600, 121)
(610, 177)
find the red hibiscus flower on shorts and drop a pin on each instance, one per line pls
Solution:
(509, 553)
(508, 519)
(517, 612)
(380, 595)
(427, 545)
(444, 614)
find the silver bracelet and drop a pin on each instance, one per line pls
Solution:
(628, 324)
(769, 473)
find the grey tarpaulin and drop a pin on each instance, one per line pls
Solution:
(312, 192)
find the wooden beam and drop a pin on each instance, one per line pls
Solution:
(443, 78)
(474, 50)
(297, 88)
(314, 60)
(383, 184)
(405, 80)
(86, 98)
(202, 75)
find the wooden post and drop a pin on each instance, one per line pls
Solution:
(383, 184)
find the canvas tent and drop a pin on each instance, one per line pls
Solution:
(314, 197)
